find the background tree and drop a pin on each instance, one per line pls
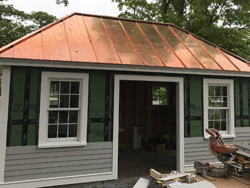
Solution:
(223, 22)
(15, 23)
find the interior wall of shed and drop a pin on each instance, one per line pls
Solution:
(147, 130)
(139, 116)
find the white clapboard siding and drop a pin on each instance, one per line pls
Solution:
(197, 148)
(29, 162)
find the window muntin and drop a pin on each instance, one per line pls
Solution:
(218, 107)
(64, 108)
(159, 95)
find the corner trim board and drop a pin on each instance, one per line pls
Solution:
(4, 118)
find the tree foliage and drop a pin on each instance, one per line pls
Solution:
(15, 23)
(223, 22)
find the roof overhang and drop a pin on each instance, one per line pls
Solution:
(117, 68)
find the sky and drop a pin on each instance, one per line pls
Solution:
(100, 7)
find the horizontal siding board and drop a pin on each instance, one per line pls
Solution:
(62, 159)
(58, 154)
(29, 162)
(57, 169)
(59, 174)
(34, 149)
(242, 129)
(57, 164)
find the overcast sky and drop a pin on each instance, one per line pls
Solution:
(100, 7)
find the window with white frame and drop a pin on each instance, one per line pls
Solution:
(219, 106)
(63, 109)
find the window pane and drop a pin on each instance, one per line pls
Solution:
(217, 125)
(211, 101)
(155, 95)
(52, 131)
(53, 117)
(223, 114)
(73, 117)
(210, 114)
(63, 129)
(217, 91)
(73, 130)
(63, 116)
(210, 90)
(224, 91)
(217, 114)
(64, 88)
(74, 101)
(223, 125)
(75, 87)
(217, 101)
(53, 101)
(54, 88)
(211, 124)
(64, 101)
(224, 102)
(159, 95)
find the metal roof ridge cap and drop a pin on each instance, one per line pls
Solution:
(124, 19)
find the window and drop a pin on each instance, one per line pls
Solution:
(159, 95)
(63, 109)
(218, 106)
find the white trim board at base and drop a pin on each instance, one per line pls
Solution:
(59, 181)
(179, 113)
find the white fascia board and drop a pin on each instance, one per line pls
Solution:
(117, 67)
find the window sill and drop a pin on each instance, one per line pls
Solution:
(62, 144)
(223, 136)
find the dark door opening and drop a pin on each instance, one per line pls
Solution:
(147, 127)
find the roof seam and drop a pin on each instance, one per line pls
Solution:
(90, 40)
(228, 59)
(65, 32)
(42, 44)
(194, 39)
(136, 51)
(186, 47)
(151, 44)
(111, 41)
(170, 47)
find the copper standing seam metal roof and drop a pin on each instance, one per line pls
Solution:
(102, 39)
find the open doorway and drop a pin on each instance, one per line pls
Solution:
(147, 127)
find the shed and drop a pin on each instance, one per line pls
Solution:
(79, 90)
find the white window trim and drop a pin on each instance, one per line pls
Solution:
(44, 104)
(230, 84)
